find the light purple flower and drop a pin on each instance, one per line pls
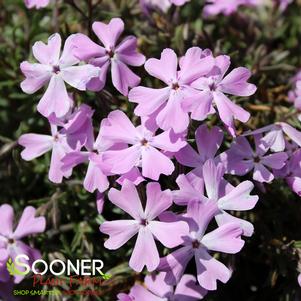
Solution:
(145, 252)
(275, 135)
(55, 69)
(163, 5)
(112, 55)
(283, 4)
(75, 132)
(198, 245)
(98, 171)
(224, 195)
(37, 145)
(291, 172)
(11, 244)
(169, 101)
(215, 7)
(213, 88)
(157, 290)
(240, 159)
(144, 147)
(186, 289)
(36, 3)
(294, 95)
(208, 142)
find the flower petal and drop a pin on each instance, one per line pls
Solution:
(163, 164)
(79, 76)
(127, 199)
(29, 224)
(84, 48)
(48, 54)
(148, 99)
(162, 230)
(239, 198)
(123, 77)
(210, 270)
(226, 238)
(235, 83)
(56, 99)
(37, 75)
(164, 68)
(119, 231)
(35, 145)
(109, 33)
(127, 52)
(7, 219)
(145, 252)
(157, 200)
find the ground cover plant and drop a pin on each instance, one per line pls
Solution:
(161, 137)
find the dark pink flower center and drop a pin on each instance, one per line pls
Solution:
(144, 222)
(196, 244)
(212, 87)
(175, 86)
(110, 53)
(144, 142)
(11, 241)
(256, 159)
(56, 137)
(56, 69)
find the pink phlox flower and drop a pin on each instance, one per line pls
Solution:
(67, 135)
(169, 101)
(144, 224)
(36, 3)
(213, 187)
(198, 245)
(37, 145)
(156, 289)
(241, 159)
(283, 4)
(96, 177)
(11, 244)
(213, 89)
(208, 141)
(291, 172)
(276, 136)
(55, 69)
(162, 5)
(112, 55)
(215, 7)
(144, 147)
(294, 95)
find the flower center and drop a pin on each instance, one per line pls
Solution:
(144, 142)
(256, 159)
(11, 241)
(175, 86)
(56, 69)
(110, 53)
(56, 137)
(196, 244)
(212, 86)
(144, 222)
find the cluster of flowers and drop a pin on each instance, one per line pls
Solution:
(11, 244)
(211, 8)
(195, 86)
